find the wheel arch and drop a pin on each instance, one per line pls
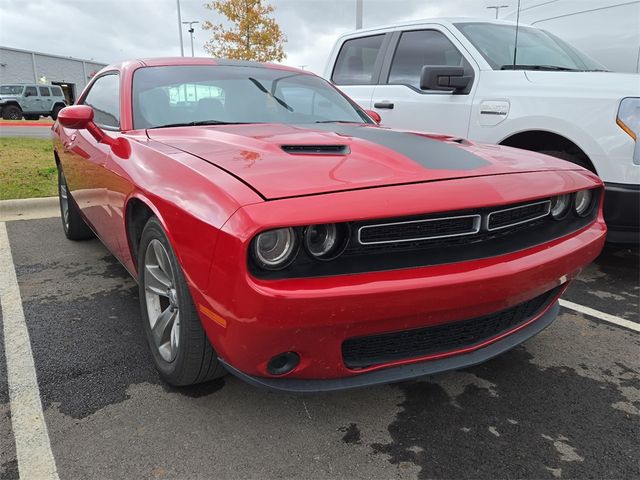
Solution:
(138, 210)
(543, 140)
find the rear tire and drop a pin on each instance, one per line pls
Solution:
(12, 112)
(56, 111)
(74, 226)
(179, 345)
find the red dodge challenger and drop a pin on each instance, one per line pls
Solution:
(276, 231)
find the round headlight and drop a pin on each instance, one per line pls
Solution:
(583, 202)
(560, 206)
(325, 242)
(274, 249)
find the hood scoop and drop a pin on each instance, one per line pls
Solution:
(316, 149)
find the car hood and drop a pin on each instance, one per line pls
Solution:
(613, 84)
(280, 161)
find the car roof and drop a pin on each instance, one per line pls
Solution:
(177, 61)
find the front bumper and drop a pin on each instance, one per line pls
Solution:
(622, 212)
(404, 372)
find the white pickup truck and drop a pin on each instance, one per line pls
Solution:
(458, 77)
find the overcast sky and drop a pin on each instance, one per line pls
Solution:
(113, 30)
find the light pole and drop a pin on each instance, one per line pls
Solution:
(191, 30)
(180, 28)
(497, 8)
(358, 14)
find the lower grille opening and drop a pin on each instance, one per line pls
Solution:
(361, 352)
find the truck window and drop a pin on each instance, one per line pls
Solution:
(355, 62)
(30, 92)
(419, 48)
(56, 91)
(44, 91)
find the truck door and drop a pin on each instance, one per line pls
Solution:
(45, 99)
(31, 101)
(398, 97)
(357, 67)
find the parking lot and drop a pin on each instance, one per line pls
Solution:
(564, 405)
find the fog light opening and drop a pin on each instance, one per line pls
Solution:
(283, 363)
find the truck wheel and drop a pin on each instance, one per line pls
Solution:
(180, 348)
(74, 226)
(12, 112)
(55, 111)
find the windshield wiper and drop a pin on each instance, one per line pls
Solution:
(264, 90)
(538, 67)
(201, 122)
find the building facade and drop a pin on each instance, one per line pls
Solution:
(24, 66)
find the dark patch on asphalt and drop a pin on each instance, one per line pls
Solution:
(611, 283)
(512, 435)
(9, 470)
(88, 357)
(114, 269)
(196, 391)
(351, 434)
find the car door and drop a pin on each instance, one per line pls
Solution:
(357, 67)
(86, 162)
(400, 101)
(45, 99)
(30, 100)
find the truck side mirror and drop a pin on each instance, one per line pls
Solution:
(451, 79)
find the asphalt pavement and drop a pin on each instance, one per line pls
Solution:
(566, 404)
(43, 131)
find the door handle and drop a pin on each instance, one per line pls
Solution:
(388, 105)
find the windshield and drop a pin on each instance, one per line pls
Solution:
(536, 48)
(11, 89)
(202, 94)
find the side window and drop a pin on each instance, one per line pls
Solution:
(56, 91)
(419, 48)
(104, 98)
(355, 62)
(44, 91)
(30, 92)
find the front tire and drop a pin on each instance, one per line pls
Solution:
(12, 112)
(180, 348)
(74, 226)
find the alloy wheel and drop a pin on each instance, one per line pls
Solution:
(162, 300)
(64, 201)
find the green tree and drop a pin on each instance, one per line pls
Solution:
(253, 33)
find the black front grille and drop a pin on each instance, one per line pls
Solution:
(515, 215)
(360, 352)
(419, 229)
(434, 239)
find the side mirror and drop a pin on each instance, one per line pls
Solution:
(451, 79)
(80, 117)
(77, 117)
(375, 116)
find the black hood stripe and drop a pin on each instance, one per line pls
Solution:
(429, 153)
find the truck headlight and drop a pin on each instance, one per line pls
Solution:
(629, 116)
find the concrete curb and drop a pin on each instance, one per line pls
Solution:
(29, 208)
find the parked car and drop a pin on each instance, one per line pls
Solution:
(607, 30)
(30, 101)
(457, 76)
(276, 231)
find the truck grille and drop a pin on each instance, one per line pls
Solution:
(360, 352)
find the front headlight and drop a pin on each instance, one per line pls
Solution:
(275, 249)
(583, 202)
(629, 116)
(560, 206)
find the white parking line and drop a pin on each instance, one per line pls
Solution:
(605, 317)
(35, 459)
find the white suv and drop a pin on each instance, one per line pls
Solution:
(457, 76)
